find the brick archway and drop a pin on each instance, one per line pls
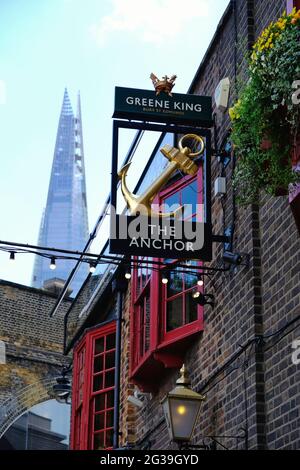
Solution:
(22, 400)
(32, 349)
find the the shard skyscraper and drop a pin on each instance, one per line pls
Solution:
(65, 221)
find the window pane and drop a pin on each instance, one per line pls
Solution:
(142, 348)
(99, 345)
(110, 419)
(81, 359)
(141, 330)
(78, 428)
(81, 377)
(147, 326)
(144, 275)
(191, 308)
(139, 282)
(175, 285)
(110, 399)
(110, 360)
(99, 422)
(98, 382)
(80, 396)
(109, 438)
(191, 262)
(100, 402)
(98, 364)
(174, 313)
(99, 441)
(190, 280)
(174, 199)
(109, 379)
(189, 196)
(110, 342)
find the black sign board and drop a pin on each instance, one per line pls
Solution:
(144, 105)
(160, 238)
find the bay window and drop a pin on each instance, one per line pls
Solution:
(93, 390)
(165, 317)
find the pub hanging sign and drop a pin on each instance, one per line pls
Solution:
(163, 106)
(162, 231)
(154, 230)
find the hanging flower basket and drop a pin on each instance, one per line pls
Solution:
(265, 119)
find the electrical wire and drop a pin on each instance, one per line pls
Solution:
(250, 343)
(58, 253)
(118, 262)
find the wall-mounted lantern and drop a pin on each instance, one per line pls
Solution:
(182, 407)
(62, 388)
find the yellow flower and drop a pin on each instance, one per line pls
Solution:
(234, 111)
(232, 114)
(295, 17)
(254, 56)
(281, 23)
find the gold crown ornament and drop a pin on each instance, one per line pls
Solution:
(165, 84)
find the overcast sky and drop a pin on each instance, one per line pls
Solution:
(91, 46)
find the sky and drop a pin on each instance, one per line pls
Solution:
(91, 46)
(59, 413)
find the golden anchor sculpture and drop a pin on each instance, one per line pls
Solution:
(180, 159)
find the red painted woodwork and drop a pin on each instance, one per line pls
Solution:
(168, 359)
(93, 390)
(154, 346)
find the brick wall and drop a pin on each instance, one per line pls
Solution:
(257, 387)
(281, 299)
(33, 344)
(127, 411)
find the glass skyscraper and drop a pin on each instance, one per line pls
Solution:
(64, 222)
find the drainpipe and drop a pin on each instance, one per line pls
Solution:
(290, 4)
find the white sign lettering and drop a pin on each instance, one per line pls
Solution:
(164, 104)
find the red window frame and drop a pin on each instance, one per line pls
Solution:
(77, 397)
(168, 335)
(140, 321)
(165, 347)
(187, 328)
(93, 390)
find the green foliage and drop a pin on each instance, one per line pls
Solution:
(265, 121)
